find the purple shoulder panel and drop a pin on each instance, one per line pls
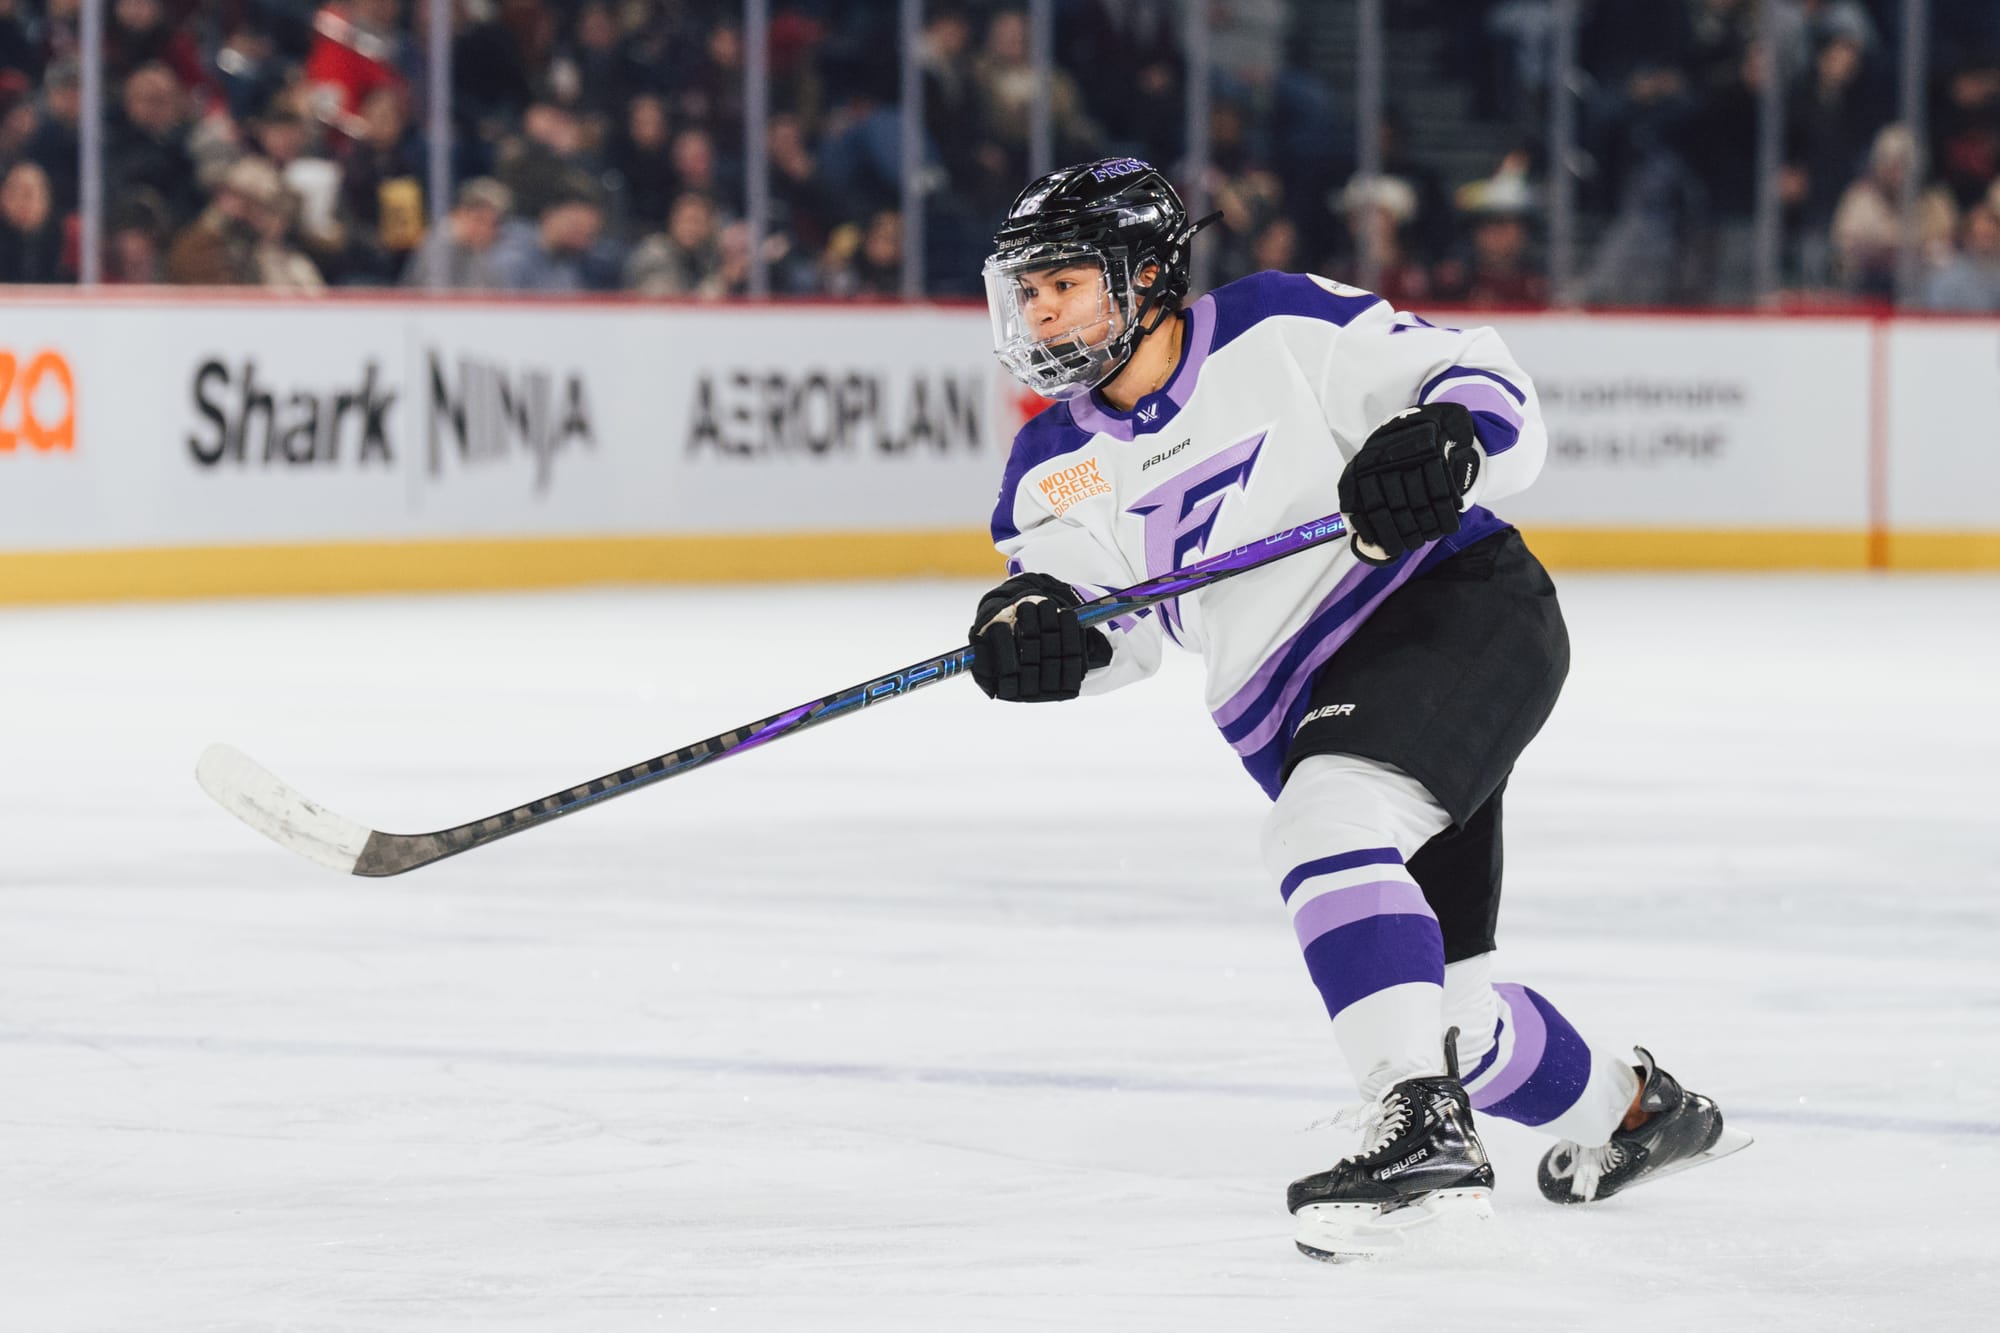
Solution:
(1247, 302)
(1050, 434)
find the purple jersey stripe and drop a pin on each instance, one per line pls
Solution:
(1470, 372)
(1333, 865)
(1257, 695)
(1201, 332)
(1266, 762)
(1547, 1072)
(1357, 902)
(1373, 954)
(1252, 691)
(1255, 728)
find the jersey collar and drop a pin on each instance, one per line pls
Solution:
(1156, 409)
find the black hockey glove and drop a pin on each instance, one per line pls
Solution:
(1405, 486)
(1034, 651)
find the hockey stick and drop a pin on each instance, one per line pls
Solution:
(245, 789)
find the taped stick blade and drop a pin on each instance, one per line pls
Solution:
(249, 791)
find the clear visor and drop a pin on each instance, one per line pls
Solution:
(1056, 322)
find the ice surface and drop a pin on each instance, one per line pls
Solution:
(817, 1038)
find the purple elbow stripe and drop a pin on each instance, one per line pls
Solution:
(1472, 373)
(1549, 1067)
(1479, 396)
(1495, 436)
(1333, 865)
(1354, 961)
(1357, 902)
(1495, 418)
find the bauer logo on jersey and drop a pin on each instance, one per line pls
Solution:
(37, 402)
(1066, 486)
(484, 413)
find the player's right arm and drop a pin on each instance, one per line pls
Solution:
(1029, 646)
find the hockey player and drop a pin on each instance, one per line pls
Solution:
(1380, 692)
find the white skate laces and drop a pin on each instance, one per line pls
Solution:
(1588, 1166)
(1379, 1123)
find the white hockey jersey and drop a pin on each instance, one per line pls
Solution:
(1282, 378)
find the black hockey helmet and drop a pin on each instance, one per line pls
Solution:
(1118, 215)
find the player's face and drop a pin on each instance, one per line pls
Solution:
(1067, 304)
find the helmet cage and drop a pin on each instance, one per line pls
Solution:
(1069, 361)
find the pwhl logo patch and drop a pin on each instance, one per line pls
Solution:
(483, 413)
(37, 402)
(1180, 512)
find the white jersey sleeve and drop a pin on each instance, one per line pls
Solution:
(1388, 360)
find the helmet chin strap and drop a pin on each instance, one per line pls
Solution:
(1154, 302)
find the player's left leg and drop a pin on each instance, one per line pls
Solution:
(1521, 1059)
(1617, 1124)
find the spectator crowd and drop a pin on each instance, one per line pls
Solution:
(600, 145)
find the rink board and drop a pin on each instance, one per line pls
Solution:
(156, 447)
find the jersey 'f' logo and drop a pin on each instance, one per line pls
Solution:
(1180, 512)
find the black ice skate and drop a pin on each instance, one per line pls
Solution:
(1682, 1129)
(1421, 1160)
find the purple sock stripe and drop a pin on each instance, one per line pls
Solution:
(1356, 902)
(1534, 1093)
(1529, 1036)
(1492, 1052)
(1333, 865)
(1373, 954)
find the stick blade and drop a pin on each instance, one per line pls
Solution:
(246, 789)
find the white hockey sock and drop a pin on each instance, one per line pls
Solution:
(1336, 840)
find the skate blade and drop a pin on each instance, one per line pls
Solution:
(1729, 1141)
(1338, 1233)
